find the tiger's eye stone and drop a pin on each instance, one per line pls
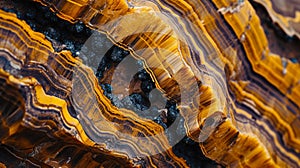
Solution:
(239, 101)
(49, 84)
(285, 13)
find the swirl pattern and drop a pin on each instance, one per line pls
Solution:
(239, 100)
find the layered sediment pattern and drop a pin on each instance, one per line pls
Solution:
(239, 101)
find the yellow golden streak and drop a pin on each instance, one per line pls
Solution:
(84, 76)
(256, 46)
(41, 96)
(272, 114)
(285, 22)
(168, 57)
(239, 17)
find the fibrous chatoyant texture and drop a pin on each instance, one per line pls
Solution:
(285, 13)
(211, 57)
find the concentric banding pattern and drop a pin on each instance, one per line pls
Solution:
(48, 80)
(243, 106)
(285, 13)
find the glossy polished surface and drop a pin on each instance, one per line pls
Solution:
(239, 101)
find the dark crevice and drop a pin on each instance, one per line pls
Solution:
(279, 42)
(62, 34)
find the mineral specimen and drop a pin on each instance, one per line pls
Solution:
(239, 101)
